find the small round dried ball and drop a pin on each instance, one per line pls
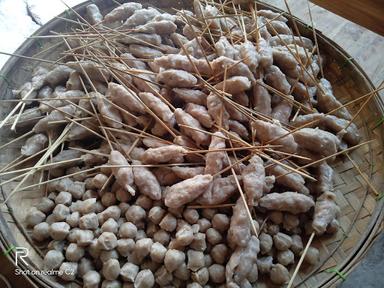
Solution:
(74, 253)
(34, 217)
(50, 219)
(87, 206)
(140, 235)
(41, 231)
(168, 223)
(72, 236)
(264, 264)
(68, 271)
(312, 256)
(59, 230)
(89, 222)
(173, 258)
(219, 253)
(213, 236)
(163, 277)
(128, 230)
(279, 274)
(125, 246)
(217, 273)
(149, 264)
(85, 237)
(333, 227)
(182, 272)
(273, 229)
(282, 241)
(195, 260)
(276, 217)
(124, 208)
(143, 248)
(89, 194)
(53, 259)
(111, 269)
(144, 201)
(285, 257)
(204, 224)
(122, 195)
(208, 213)
(110, 226)
(107, 241)
(129, 271)
(94, 249)
(144, 279)
(111, 284)
(73, 219)
(156, 214)
(64, 198)
(108, 199)
(184, 236)
(297, 244)
(290, 221)
(61, 212)
(58, 245)
(45, 205)
(253, 275)
(220, 222)
(91, 279)
(85, 265)
(162, 237)
(99, 180)
(207, 260)
(158, 252)
(194, 285)
(105, 255)
(135, 214)
(111, 212)
(199, 242)
(266, 243)
(191, 215)
(201, 276)
(151, 229)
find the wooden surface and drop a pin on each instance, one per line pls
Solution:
(367, 13)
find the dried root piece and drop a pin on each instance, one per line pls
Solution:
(253, 180)
(287, 177)
(191, 96)
(123, 175)
(110, 113)
(177, 78)
(124, 97)
(282, 111)
(217, 110)
(34, 144)
(158, 107)
(146, 181)
(57, 115)
(324, 177)
(261, 99)
(164, 154)
(186, 191)
(222, 189)
(158, 27)
(289, 39)
(326, 210)
(122, 12)
(200, 113)
(94, 70)
(238, 128)
(272, 15)
(224, 48)
(277, 79)
(140, 17)
(291, 202)
(239, 232)
(93, 14)
(141, 51)
(183, 62)
(234, 85)
(249, 55)
(275, 135)
(214, 161)
(233, 68)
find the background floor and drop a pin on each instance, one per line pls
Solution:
(363, 45)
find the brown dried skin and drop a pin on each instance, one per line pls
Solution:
(214, 161)
(328, 102)
(277, 79)
(191, 96)
(277, 28)
(28, 118)
(326, 210)
(177, 78)
(249, 55)
(200, 113)
(133, 62)
(187, 172)
(58, 75)
(184, 118)
(307, 76)
(324, 177)
(164, 154)
(301, 92)
(233, 68)
(146, 181)
(266, 132)
(34, 144)
(124, 97)
(241, 261)
(141, 39)
(186, 191)
(317, 141)
(217, 110)
(158, 107)
(234, 112)
(265, 54)
(283, 58)
(272, 15)
(43, 125)
(140, 17)
(111, 115)
(145, 83)
(158, 27)
(65, 155)
(92, 69)
(141, 51)
(123, 175)
(282, 40)
(238, 128)
(239, 232)
(287, 178)
(66, 96)
(165, 176)
(224, 48)
(183, 62)
(282, 111)
(253, 176)
(78, 132)
(93, 14)
(261, 99)
(121, 12)
(291, 202)
(73, 82)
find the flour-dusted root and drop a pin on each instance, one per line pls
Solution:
(217, 110)
(186, 119)
(122, 12)
(110, 114)
(261, 99)
(200, 113)
(238, 128)
(337, 125)
(292, 202)
(164, 154)
(144, 39)
(177, 78)
(191, 96)
(224, 48)
(289, 39)
(161, 109)
(160, 27)
(186, 191)
(123, 175)
(124, 97)
(325, 212)
(91, 69)
(93, 14)
(146, 181)
(183, 62)
(142, 51)
(140, 17)
(34, 144)
(233, 68)
(239, 232)
(44, 124)
(324, 176)
(253, 176)
(215, 160)
(187, 172)
(275, 134)
(277, 79)
(302, 93)
(249, 55)
(282, 111)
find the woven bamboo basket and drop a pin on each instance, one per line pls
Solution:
(361, 210)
